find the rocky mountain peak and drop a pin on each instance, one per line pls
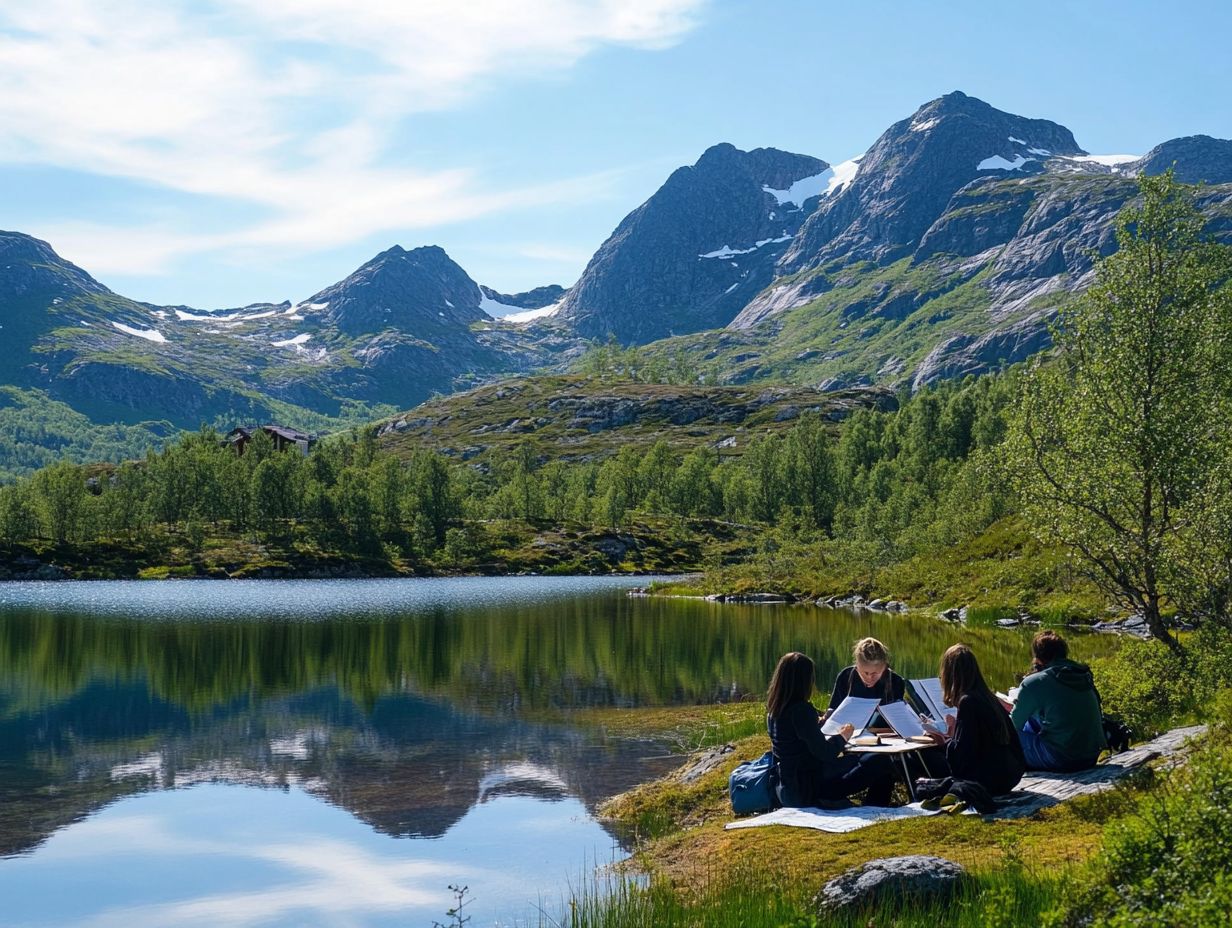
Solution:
(1195, 158)
(908, 176)
(30, 266)
(693, 254)
(403, 290)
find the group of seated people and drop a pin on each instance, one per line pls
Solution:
(1055, 724)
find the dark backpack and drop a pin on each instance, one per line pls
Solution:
(752, 786)
(1116, 733)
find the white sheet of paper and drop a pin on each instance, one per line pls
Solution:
(903, 719)
(853, 711)
(1012, 696)
(930, 691)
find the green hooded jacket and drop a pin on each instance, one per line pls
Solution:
(1063, 699)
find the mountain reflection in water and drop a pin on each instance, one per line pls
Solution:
(437, 711)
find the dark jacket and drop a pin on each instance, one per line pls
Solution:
(1062, 698)
(848, 683)
(976, 751)
(805, 756)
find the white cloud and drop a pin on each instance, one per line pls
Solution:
(226, 99)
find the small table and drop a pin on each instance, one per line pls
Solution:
(892, 744)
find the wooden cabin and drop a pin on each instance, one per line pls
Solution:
(284, 438)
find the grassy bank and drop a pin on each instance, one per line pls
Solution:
(1001, 568)
(1153, 851)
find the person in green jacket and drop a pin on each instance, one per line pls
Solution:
(1057, 713)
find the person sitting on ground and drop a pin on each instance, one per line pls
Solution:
(868, 677)
(980, 742)
(812, 767)
(1057, 714)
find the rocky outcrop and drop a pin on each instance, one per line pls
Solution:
(1196, 159)
(914, 879)
(528, 299)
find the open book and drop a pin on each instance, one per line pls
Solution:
(928, 697)
(905, 721)
(1011, 697)
(852, 711)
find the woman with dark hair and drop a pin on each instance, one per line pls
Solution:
(980, 743)
(812, 767)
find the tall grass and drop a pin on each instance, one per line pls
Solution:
(1011, 896)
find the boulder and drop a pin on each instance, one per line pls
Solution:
(952, 614)
(914, 878)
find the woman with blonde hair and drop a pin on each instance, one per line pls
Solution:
(868, 677)
(980, 741)
(812, 767)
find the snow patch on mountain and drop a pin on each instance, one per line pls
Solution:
(150, 335)
(528, 315)
(997, 163)
(727, 251)
(823, 184)
(1110, 161)
(496, 308)
(297, 340)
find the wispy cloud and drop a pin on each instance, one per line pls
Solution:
(288, 106)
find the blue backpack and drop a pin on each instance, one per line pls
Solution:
(752, 786)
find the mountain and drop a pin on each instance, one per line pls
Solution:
(944, 250)
(962, 232)
(403, 326)
(697, 251)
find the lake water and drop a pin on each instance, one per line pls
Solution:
(341, 752)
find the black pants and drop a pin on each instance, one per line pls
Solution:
(874, 772)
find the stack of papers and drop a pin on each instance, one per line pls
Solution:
(852, 711)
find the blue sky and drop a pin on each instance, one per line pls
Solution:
(221, 152)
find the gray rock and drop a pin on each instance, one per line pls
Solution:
(755, 598)
(913, 878)
(701, 764)
(952, 614)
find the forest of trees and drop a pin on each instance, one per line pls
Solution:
(892, 481)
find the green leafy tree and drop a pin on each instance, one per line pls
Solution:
(1116, 439)
(60, 494)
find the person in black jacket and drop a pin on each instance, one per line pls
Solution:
(868, 677)
(811, 766)
(980, 743)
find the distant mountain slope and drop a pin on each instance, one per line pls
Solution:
(577, 418)
(403, 326)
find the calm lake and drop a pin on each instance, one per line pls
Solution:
(340, 752)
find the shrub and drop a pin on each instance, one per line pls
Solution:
(1152, 688)
(1169, 864)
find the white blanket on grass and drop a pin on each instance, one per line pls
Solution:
(836, 821)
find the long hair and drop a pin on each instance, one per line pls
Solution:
(960, 676)
(872, 651)
(792, 682)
